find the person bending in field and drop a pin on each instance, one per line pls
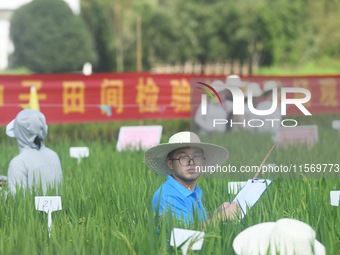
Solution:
(180, 160)
(36, 164)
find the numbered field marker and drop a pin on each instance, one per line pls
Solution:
(336, 124)
(79, 152)
(335, 197)
(186, 239)
(48, 204)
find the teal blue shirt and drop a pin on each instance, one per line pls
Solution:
(182, 202)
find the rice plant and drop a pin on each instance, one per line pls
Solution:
(106, 199)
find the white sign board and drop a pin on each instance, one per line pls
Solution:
(288, 136)
(138, 137)
(187, 239)
(48, 204)
(79, 152)
(336, 124)
(335, 197)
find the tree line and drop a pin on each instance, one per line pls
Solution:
(130, 35)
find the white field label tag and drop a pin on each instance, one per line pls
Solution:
(335, 197)
(48, 204)
(79, 152)
(336, 124)
(186, 238)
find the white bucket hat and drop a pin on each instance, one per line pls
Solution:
(284, 237)
(156, 157)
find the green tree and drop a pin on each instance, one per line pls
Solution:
(321, 31)
(49, 38)
(96, 16)
(159, 37)
(286, 25)
(251, 35)
(113, 27)
(262, 32)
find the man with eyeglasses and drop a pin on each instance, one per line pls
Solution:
(180, 160)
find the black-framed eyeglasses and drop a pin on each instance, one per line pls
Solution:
(185, 160)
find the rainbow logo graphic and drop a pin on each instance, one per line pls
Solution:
(209, 90)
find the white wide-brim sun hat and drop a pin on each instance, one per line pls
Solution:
(285, 237)
(156, 158)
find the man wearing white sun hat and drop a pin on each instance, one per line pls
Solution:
(178, 160)
(285, 237)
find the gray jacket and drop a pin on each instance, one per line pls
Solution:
(33, 166)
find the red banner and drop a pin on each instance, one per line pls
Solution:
(70, 98)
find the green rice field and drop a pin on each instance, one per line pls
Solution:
(106, 199)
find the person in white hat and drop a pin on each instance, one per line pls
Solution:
(285, 237)
(180, 161)
(36, 164)
(214, 111)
